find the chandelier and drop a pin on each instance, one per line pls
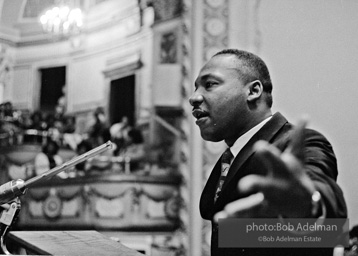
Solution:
(62, 20)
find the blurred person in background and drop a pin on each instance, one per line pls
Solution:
(119, 134)
(48, 158)
(98, 132)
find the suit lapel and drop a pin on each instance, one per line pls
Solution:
(267, 132)
(207, 196)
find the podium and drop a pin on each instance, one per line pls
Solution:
(88, 243)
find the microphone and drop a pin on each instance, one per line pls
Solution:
(12, 189)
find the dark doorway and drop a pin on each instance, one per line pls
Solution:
(52, 82)
(122, 99)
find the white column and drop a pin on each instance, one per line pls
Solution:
(196, 142)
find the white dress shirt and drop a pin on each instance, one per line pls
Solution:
(243, 139)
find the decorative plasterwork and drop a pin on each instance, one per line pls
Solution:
(168, 48)
(120, 202)
(216, 26)
(166, 9)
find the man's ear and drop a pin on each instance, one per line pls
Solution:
(255, 90)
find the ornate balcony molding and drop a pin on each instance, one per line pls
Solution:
(103, 202)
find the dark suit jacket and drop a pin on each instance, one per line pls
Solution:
(321, 165)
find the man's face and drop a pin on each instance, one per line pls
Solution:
(220, 100)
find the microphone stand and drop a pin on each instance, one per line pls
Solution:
(10, 191)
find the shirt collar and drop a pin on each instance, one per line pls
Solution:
(243, 139)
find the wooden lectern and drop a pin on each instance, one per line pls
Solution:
(69, 243)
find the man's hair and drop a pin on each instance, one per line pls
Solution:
(253, 68)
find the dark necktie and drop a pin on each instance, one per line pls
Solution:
(225, 165)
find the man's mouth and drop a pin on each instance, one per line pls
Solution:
(198, 113)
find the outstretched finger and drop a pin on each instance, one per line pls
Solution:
(296, 146)
(270, 157)
(253, 183)
(244, 207)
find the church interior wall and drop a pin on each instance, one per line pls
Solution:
(309, 46)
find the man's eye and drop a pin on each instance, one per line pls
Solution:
(209, 84)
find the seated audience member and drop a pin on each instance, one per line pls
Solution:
(69, 124)
(3, 134)
(2, 111)
(53, 127)
(59, 113)
(70, 138)
(48, 158)
(119, 133)
(99, 131)
(8, 128)
(26, 121)
(37, 121)
(83, 147)
(133, 149)
(34, 128)
(8, 111)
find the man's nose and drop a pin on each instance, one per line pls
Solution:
(196, 99)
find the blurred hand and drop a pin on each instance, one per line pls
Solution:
(286, 190)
